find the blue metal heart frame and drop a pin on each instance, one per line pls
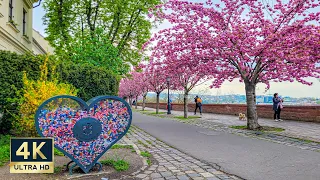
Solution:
(84, 107)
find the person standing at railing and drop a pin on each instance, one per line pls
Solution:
(277, 106)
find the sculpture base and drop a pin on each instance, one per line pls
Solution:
(74, 165)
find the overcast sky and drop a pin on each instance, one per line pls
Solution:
(294, 89)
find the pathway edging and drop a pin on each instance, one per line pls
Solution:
(172, 163)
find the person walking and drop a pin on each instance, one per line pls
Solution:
(277, 106)
(198, 102)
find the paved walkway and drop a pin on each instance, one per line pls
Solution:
(167, 162)
(303, 130)
(245, 157)
(171, 163)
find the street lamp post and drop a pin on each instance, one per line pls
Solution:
(169, 105)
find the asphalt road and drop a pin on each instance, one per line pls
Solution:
(242, 156)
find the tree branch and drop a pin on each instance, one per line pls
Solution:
(117, 17)
(89, 13)
(126, 35)
(96, 13)
(61, 19)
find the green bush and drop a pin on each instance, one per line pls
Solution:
(35, 92)
(4, 149)
(12, 66)
(90, 80)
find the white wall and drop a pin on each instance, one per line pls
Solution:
(38, 39)
(12, 38)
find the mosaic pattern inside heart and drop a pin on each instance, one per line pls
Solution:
(84, 132)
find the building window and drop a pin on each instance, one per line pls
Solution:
(10, 11)
(24, 22)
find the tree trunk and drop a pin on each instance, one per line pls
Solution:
(144, 101)
(252, 116)
(136, 102)
(157, 108)
(130, 101)
(185, 103)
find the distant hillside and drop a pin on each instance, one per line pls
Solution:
(233, 99)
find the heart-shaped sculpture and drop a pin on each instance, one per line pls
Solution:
(83, 131)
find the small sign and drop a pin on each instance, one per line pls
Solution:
(31, 155)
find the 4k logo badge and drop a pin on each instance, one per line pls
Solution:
(31, 155)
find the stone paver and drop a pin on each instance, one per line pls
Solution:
(184, 177)
(292, 136)
(155, 175)
(194, 175)
(213, 178)
(171, 163)
(207, 174)
(141, 176)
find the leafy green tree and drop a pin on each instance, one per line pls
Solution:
(124, 23)
(98, 51)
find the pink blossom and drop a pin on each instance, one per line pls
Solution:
(241, 44)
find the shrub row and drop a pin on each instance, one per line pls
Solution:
(90, 81)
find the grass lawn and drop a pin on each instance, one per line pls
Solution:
(143, 144)
(4, 149)
(149, 162)
(189, 117)
(57, 152)
(145, 154)
(140, 110)
(263, 128)
(145, 110)
(155, 113)
(120, 146)
(58, 169)
(118, 165)
(307, 141)
(160, 114)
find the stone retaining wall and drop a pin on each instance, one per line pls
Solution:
(298, 113)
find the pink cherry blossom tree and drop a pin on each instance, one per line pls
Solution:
(145, 89)
(128, 88)
(135, 79)
(144, 86)
(122, 93)
(141, 85)
(249, 40)
(124, 90)
(156, 76)
(186, 71)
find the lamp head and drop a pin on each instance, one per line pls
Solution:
(168, 79)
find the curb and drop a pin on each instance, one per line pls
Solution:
(144, 160)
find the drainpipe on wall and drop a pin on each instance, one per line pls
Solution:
(37, 4)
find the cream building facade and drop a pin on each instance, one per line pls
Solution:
(16, 32)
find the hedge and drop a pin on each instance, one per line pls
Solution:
(90, 80)
(12, 66)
